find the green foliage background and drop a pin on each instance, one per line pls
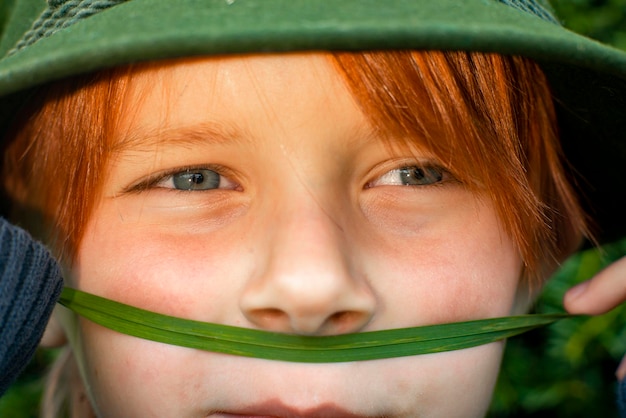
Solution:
(566, 370)
(604, 20)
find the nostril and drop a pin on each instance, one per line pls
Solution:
(273, 319)
(346, 322)
(270, 319)
(339, 317)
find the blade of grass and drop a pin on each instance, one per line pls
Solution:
(277, 346)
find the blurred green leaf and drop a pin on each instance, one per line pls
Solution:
(22, 400)
(566, 370)
(604, 20)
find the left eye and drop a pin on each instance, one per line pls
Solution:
(411, 176)
(195, 179)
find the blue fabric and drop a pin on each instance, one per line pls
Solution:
(30, 284)
(621, 398)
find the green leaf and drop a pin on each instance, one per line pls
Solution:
(295, 348)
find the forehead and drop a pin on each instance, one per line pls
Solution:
(236, 98)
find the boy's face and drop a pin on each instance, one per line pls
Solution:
(300, 221)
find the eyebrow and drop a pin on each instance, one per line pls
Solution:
(206, 133)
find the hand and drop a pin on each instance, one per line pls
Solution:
(600, 294)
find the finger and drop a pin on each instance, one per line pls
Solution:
(602, 293)
(621, 370)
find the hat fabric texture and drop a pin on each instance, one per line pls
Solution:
(45, 42)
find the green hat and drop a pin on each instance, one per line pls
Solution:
(42, 42)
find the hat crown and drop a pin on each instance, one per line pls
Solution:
(63, 13)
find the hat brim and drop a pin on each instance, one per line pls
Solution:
(156, 29)
(588, 78)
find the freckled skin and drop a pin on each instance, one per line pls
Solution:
(299, 246)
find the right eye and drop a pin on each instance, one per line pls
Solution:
(196, 179)
(412, 176)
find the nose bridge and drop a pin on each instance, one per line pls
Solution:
(307, 283)
(308, 237)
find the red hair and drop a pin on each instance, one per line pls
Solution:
(55, 165)
(487, 117)
(491, 119)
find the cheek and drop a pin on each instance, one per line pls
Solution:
(463, 268)
(176, 273)
(467, 377)
(132, 377)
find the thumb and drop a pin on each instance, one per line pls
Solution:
(600, 294)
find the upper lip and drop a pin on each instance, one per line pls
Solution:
(277, 409)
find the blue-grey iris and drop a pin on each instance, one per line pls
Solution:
(417, 176)
(201, 179)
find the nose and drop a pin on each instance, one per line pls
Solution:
(307, 284)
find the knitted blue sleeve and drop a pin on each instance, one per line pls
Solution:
(621, 398)
(30, 284)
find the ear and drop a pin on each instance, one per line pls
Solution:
(54, 335)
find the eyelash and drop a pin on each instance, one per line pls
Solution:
(152, 181)
(425, 169)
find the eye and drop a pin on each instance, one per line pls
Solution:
(411, 176)
(194, 179)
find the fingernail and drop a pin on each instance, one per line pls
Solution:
(577, 290)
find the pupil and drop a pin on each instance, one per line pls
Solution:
(418, 173)
(412, 175)
(196, 178)
(420, 176)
